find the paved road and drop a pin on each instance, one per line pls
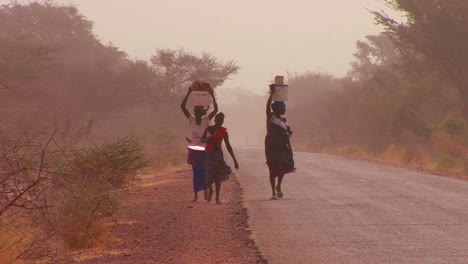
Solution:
(341, 211)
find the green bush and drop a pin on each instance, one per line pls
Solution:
(97, 180)
(115, 164)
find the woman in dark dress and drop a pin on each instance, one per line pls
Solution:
(278, 150)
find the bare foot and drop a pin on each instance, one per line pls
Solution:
(208, 197)
(280, 193)
(218, 202)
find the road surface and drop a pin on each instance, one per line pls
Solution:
(342, 211)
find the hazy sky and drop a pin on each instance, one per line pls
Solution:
(265, 37)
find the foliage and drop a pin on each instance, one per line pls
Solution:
(373, 56)
(27, 167)
(52, 64)
(434, 37)
(176, 69)
(456, 127)
(49, 197)
(403, 99)
(58, 67)
(94, 186)
(116, 163)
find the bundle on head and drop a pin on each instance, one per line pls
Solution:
(205, 85)
(196, 85)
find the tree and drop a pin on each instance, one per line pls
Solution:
(60, 68)
(176, 69)
(376, 53)
(435, 33)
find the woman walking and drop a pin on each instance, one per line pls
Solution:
(278, 150)
(196, 150)
(216, 168)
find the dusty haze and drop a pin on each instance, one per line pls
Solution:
(90, 94)
(265, 37)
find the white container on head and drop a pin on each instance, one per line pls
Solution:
(281, 89)
(201, 98)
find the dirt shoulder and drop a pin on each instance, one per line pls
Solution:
(160, 224)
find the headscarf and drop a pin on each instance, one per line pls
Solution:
(277, 105)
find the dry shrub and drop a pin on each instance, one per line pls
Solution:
(450, 149)
(15, 238)
(446, 162)
(94, 188)
(417, 156)
(412, 155)
(50, 198)
(166, 148)
(79, 235)
(26, 170)
(395, 154)
(351, 151)
(310, 144)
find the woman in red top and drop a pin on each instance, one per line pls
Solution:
(216, 169)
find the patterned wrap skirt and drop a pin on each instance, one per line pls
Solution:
(216, 169)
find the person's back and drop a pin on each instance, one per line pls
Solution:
(196, 149)
(197, 130)
(278, 150)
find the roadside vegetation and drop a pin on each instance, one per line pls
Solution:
(79, 121)
(405, 101)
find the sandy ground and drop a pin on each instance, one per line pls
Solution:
(161, 224)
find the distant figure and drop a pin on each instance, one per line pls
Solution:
(278, 150)
(196, 150)
(216, 168)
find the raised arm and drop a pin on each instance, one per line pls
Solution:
(215, 105)
(268, 104)
(183, 105)
(229, 148)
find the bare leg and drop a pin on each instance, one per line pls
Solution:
(195, 197)
(210, 191)
(272, 183)
(271, 168)
(278, 187)
(218, 190)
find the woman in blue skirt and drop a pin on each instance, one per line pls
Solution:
(198, 122)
